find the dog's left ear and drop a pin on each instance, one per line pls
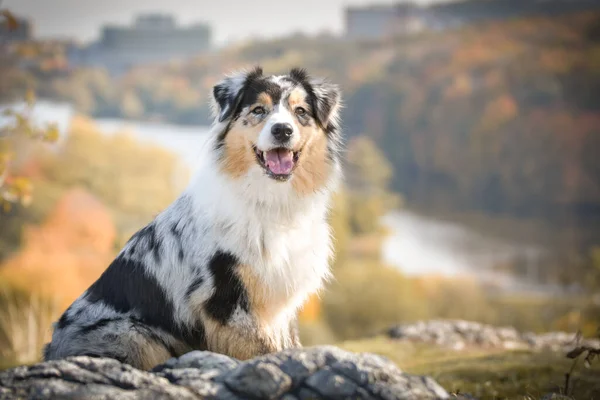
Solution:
(328, 102)
(228, 93)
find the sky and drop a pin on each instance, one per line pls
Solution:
(231, 20)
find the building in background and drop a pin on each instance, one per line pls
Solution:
(380, 21)
(22, 32)
(153, 38)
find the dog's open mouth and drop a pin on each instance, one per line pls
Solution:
(279, 163)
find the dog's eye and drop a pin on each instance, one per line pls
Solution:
(258, 110)
(300, 111)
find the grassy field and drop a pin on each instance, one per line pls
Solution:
(487, 374)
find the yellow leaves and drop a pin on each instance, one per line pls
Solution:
(17, 190)
(14, 189)
(52, 133)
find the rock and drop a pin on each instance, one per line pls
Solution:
(313, 373)
(457, 334)
(556, 396)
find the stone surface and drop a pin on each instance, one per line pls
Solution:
(458, 334)
(313, 373)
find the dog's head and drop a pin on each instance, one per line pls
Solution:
(280, 129)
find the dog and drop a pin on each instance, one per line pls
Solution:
(227, 266)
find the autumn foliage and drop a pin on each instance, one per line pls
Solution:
(67, 253)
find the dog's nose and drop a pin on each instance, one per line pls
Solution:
(282, 131)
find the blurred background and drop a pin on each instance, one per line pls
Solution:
(472, 166)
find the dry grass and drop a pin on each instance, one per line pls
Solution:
(367, 297)
(25, 327)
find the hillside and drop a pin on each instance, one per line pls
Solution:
(501, 117)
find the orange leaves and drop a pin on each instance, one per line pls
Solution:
(64, 255)
(311, 310)
(499, 111)
(19, 128)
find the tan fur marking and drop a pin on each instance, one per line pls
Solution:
(265, 100)
(264, 307)
(241, 342)
(239, 156)
(149, 353)
(267, 310)
(297, 98)
(313, 166)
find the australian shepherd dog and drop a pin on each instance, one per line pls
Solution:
(227, 266)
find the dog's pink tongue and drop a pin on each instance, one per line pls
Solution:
(280, 161)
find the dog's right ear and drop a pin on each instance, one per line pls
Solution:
(228, 93)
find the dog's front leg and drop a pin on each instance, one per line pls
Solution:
(292, 339)
(241, 337)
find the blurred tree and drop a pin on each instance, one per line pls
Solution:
(63, 256)
(17, 129)
(131, 106)
(339, 220)
(136, 181)
(368, 175)
(367, 298)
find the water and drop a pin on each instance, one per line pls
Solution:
(42, 114)
(189, 142)
(418, 245)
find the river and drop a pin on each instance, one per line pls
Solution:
(418, 244)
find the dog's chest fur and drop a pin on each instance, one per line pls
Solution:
(280, 261)
(281, 265)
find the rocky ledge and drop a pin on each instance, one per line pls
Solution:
(313, 373)
(458, 334)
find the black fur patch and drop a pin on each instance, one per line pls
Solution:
(229, 290)
(194, 286)
(98, 324)
(148, 236)
(126, 287)
(257, 86)
(177, 235)
(153, 335)
(229, 100)
(64, 320)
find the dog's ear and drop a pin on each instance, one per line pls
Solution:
(228, 93)
(326, 97)
(328, 102)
